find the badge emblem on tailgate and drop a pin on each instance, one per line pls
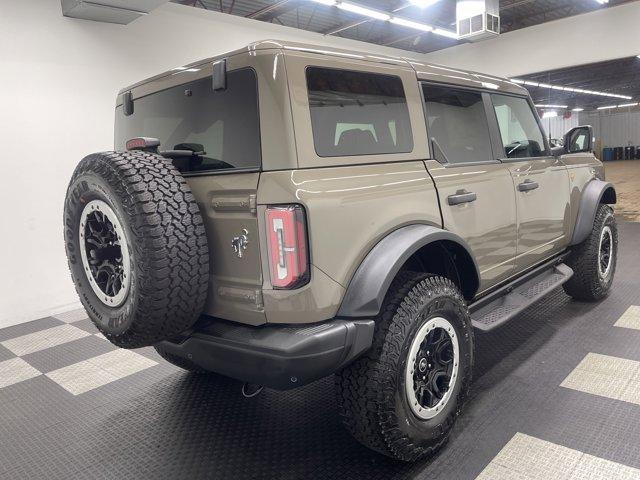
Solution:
(240, 242)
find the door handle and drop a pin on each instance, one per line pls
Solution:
(527, 185)
(461, 196)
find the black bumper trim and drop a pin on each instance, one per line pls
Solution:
(276, 356)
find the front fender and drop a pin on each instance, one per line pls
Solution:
(595, 193)
(372, 279)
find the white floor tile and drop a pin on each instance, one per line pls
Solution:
(101, 370)
(529, 458)
(630, 318)
(122, 363)
(606, 376)
(48, 338)
(72, 315)
(81, 377)
(16, 370)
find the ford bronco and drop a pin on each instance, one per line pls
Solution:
(286, 212)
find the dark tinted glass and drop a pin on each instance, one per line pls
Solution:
(357, 113)
(220, 128)
(519, 129)
(457, 121)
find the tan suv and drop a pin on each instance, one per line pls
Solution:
(285, 212)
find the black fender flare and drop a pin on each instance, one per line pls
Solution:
(369, 285)
(594, 193)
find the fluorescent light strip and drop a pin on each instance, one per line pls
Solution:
(628, 105)
(569, 89)
(367, 12)
(550, 114)
(608, 107)
(384, 16)
(579, 109)
(552, 106)
(410, 24)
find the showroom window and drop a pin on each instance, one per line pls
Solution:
(457, 125)
(221, 128)
(357, 113)
(519, 129)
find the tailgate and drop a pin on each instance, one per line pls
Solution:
(228, 206)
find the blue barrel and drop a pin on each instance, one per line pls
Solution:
(607, 154)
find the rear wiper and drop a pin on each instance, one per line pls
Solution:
(180, 153)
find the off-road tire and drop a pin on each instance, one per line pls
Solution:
(166, 239)
(183, 363)
(586, 284)
(371, 395)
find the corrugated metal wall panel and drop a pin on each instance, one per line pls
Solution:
(558, 126)
(614, 129)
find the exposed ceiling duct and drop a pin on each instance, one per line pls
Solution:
(111, 11)
(477, 19)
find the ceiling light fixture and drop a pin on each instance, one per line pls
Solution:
(410, 24)
(423, 3)
(569, 89)
(551, 106)
(578, 109)
(550, 114)
(384, 16)
(628, 105)
(367, 12)
(607, 107)
(602, 2)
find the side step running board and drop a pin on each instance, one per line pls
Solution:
(491, 313)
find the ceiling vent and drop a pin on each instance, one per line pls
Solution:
(110, 11)
(477, 19)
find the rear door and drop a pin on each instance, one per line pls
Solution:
(213, 137)
(475, 190)
(541, 181)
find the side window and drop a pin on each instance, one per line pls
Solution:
(357, 113)
(457, 124)
(520, 132)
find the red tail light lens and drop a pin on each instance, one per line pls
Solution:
(287, 243)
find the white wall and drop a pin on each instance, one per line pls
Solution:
(58, 80)
(592, 37)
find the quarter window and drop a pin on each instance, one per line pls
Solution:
(519, 129)
(457, 125)
(357, 113)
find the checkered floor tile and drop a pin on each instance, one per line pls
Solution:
(72, 354)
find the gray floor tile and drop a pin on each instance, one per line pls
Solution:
(5, 354)
(28, 327)
(86, 325)
(69, 353)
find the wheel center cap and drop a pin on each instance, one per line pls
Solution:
(422, 366)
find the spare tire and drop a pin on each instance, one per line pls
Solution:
(136, 247)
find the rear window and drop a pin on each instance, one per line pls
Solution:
(357, 113)
(213, 130)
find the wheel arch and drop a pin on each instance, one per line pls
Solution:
(595, 193)
(410, 247)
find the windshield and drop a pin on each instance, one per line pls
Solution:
(210, 130)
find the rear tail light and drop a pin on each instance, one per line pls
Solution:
(287, 243)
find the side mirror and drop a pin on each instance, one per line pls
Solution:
(577, 140)
(219, 75)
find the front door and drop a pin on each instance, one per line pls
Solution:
(475, 190)
(540, 181)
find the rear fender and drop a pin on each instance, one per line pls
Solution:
(368, 287)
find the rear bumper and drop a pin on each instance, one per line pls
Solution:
(276, 356)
